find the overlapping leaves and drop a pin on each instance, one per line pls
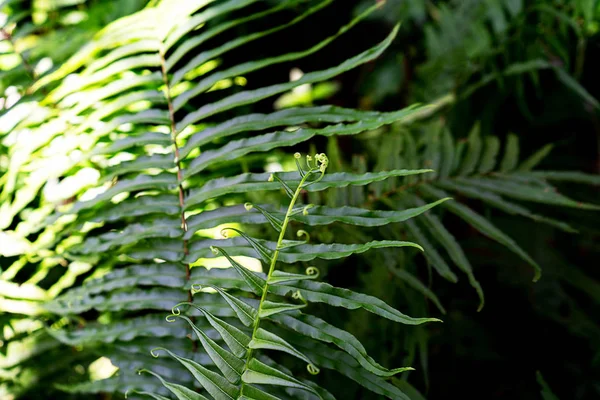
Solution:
(480, 169)
(135, 145)
(242, 373)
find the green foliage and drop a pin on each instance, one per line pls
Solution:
(142, 146)
(486, 179)
(476, 45)
(242, 366)
(123, 197)
(469, 169)
(546, 392)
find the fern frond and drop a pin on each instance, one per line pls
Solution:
(139, 144)
(240, 369)
(473, 168)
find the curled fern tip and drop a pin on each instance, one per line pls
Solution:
(312, 369)
(312, 271)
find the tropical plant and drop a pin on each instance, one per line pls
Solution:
(126, 195)
(268, 323)
(473, 46)
(525, 68)
(473, 168)
(133, 133)
(486, 179)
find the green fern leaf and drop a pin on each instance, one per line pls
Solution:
(181, 392)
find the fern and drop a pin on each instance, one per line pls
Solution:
(141, 143)
(268, 323)
(546, 392)
(499, 45)
(122, 163)
(475, 168)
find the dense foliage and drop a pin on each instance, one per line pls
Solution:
(158, 158)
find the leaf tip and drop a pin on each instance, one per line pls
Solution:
(154, 354)
(312, 369)
(312, 272)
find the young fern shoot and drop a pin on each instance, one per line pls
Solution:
(318, 168)
(268, 321)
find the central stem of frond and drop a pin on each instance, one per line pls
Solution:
(173, 132)
(320, 166)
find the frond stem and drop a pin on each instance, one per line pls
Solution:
(173, 129)
(8, 36)
(284, 225)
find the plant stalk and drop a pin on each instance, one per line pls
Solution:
(286, 220)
